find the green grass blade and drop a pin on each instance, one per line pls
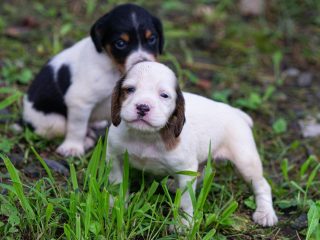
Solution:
(10, 100)
(176, 204)
(294, 184)
(78, 227)
(306, 164)
(192, 194)
(153, 188)
(87, 219)
(49, 211)
(93, 163)
(17, 185)
(73, 203)
(311, 177)
(103, 165)
(67, 231)
(210, 234)
(313, 220)
(43, 163)
(228, 211)
(285, 168)
(189, 173)
(74, 180)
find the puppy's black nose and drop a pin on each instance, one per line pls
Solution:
(142, 109)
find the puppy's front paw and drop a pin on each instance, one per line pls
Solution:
(265, 217)
(72, 149)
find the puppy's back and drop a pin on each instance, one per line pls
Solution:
(204, 109)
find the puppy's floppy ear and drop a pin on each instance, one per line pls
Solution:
(97, 32)
(116, 101)
(173, 128)
(178, 117)
(158, 26)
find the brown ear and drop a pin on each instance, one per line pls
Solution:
(116, 101)
(178, 118)
(172, 130)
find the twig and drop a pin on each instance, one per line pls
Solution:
(298, 235)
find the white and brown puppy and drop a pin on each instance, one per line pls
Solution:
(74, 87)
(166, 131)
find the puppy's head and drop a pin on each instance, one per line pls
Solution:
(129, 34)
(148, 99)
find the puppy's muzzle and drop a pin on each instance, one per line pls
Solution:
(142, 109)
(142, 59)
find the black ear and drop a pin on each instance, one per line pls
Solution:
(158, 25)
(97, 32)
(116, 102)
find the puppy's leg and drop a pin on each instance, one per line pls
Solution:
(116, 175)
(186, 202)
(90, 139)
(77, 123)
(246, 158)
(264, 214)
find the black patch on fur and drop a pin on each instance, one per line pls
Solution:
(64, 77)
(107, 30)
(46, 94)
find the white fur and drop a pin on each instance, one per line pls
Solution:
(226, 128)
(88, 99)
(138, 56)
(49, 125)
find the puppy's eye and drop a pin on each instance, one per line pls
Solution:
(164, 95)
(152, 39)
(120, 44)
(130, 90)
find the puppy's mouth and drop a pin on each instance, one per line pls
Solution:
(142, 124)
(141, 121)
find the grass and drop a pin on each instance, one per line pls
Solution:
(215, 52)
(81, 210)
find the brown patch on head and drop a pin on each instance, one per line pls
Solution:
(170, 133)
(147, 34)
(125, 37)
(119, 66)
(118, 96)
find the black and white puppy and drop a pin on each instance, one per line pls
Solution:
(74, 88)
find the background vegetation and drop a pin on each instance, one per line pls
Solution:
(267, 64)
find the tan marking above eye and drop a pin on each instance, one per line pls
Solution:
(108, 49)
(148, 34)
(125, 37)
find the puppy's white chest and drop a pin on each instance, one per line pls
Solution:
(148, 158)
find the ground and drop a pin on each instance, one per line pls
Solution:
(268, 65)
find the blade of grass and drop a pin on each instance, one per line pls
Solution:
(74, 180)
(78, 227)
(313, 220)
(17, 185)
(43, 163)
(10, 100)
(93, 163)
(49, 211)
(87, 219)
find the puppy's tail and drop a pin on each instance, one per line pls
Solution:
(245, 117)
